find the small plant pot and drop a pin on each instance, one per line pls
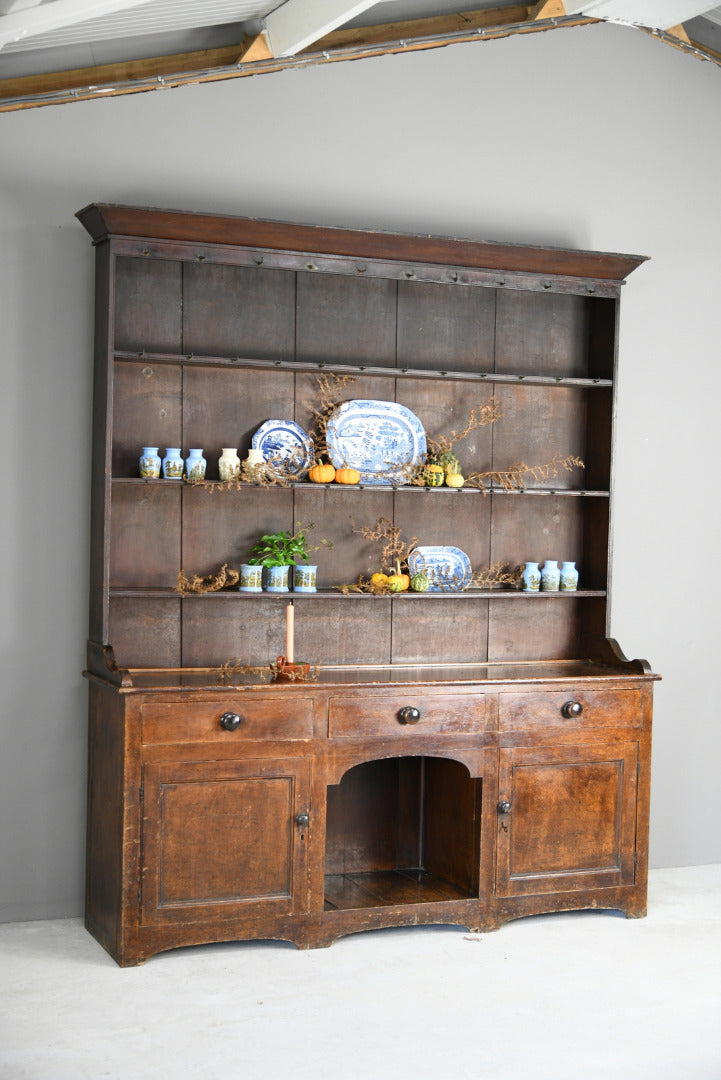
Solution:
(251, 578)
(277, 579)
(285, 672)
(304, 578)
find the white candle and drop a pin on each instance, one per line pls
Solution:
(289, 633)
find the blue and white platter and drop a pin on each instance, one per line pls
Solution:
(383, 440)
(448, 568)
(286, 446)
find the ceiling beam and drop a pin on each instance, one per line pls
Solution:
(409, 31)
(253, 57)
(296, 24)
(41, 18)
(549, 9)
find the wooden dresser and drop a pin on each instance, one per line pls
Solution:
(461, 756)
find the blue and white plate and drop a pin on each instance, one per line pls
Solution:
(383, 440)
(286, 446)
(448, 568)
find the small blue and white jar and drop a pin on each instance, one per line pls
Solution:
(531, 577)
(173, 464)
(195, 465)
(304, 578)
(569, 577)
(277, 579)
(150, 463)
(251, 578)
(550, 576)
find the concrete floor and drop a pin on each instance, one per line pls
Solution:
(588, 996)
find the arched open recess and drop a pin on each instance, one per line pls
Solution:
(403, 830)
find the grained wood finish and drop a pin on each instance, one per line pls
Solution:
(519, 781)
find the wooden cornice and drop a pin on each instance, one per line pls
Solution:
(106, 220)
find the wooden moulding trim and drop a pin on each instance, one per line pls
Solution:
(101, 664)
(104, 220)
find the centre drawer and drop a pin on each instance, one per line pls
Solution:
(256, 718)
(570, 709)
(405, 714)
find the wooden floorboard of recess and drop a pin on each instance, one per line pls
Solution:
(386, 888)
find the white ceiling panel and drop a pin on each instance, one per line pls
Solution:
(156, 16)
(659, 14)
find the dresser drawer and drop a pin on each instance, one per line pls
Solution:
(570, 709)
(256, 718)
(405, 714)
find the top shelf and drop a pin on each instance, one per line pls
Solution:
(362, 369)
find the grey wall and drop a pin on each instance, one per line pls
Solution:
(599, 137)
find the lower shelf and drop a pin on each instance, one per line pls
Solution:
(387, 888)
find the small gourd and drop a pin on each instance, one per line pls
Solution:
(322, 473)
(433, 475)
(379, 580)
(420, 582)
(398, 582)
(347, 476)
(454, 480)
(450, 462)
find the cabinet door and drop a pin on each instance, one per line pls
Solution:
(566, 818)
(221, 840)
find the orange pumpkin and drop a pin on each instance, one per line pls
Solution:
(347, 476)
(322, 473)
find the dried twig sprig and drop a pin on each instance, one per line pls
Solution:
(394, 547)
(223, 579)
(330, 387)
(364, 585)
(515, 478)
(237, 669)
(480, 416)
(498, 576)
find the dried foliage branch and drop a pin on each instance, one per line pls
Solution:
(238, 669)
(393, 547)
(223, 579)
(500, 575)
(480, 416)
(515, 478)
(330, 387)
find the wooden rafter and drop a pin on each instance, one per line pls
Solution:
(254, 56)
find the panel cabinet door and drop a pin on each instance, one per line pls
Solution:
(221, 840)
(566, 818)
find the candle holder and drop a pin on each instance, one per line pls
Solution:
(288, 671)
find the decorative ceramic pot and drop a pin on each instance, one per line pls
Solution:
(195, 465)
(229, 464)
(304, 578)
(277, 579)
(254, 465)
(251, 578)
(569, 577)
(173, 464)
(150, 463)
(550, 576)
(531, 577)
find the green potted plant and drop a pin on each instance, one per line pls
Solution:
(280, 550)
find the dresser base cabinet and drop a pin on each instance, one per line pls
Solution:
(466, 755)
(291, 832)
